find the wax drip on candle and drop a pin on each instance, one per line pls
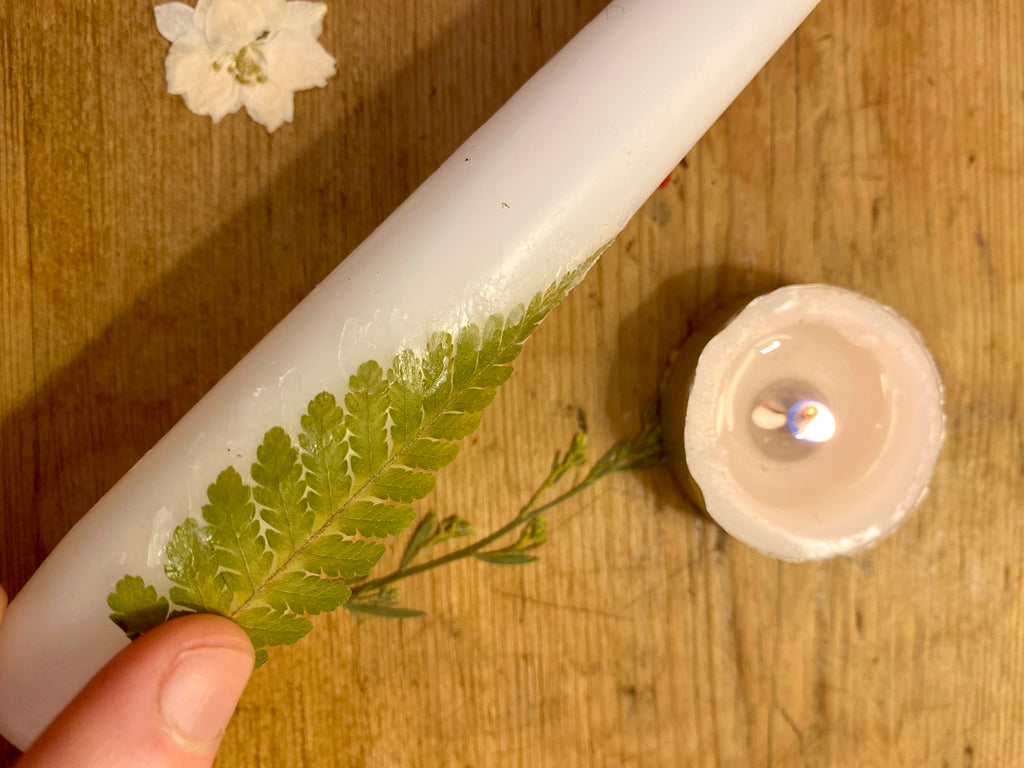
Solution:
(789, 419)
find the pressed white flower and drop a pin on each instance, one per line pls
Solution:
(226, 54)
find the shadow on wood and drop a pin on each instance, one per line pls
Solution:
(734, 287)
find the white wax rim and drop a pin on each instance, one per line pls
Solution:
(844, 514)
(553, 176)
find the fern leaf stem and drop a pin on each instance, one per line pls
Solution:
(643, 450)
(603, 467)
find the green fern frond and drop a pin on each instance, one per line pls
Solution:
(286, 546)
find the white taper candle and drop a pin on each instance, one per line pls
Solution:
(556, 173)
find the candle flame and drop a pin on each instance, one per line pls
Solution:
(811, 421)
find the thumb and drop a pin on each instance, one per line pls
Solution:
(163, 702)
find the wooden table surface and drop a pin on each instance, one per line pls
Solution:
(144, 250)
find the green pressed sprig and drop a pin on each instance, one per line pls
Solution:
(298, 534)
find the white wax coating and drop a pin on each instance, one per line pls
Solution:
(883, 390)
(554, 175)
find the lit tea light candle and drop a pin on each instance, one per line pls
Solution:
(809, 425)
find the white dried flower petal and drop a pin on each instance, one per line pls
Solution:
(293, 62)
(231, 24)
(201, 12)
(270, 106)
(173, 20)
(305, 17)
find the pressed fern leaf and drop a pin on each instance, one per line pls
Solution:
(136, 607)
(235, 531)
(285, 543)
(324, 455)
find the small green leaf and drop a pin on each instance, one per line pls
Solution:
(430, 533)
(467, 352)
(423, 533)
(493, 340)
(136, 606)
(382, 603)
(492, 377)
(452, 527)
(192, 565)
(384, 611)
(267, 627)
(453, 426)
(235, 531)
(280, 490)
(505, 557)
(533, 534)
(324, 452)
(367, 406)
(405, 398)
(437, 383)
(373, 519)
(575, 456)
(340, 557)
(399, 484)
(473, 400)
(305, 593)
(428, 454)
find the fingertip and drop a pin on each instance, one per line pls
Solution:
(200, 693)
(198, 629)
(165, 700)
(3, 603)
(211, 660)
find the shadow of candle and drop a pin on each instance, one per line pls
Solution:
(647, 338)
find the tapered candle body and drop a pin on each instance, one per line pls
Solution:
(553, 176)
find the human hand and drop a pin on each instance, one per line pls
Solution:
(163, 702)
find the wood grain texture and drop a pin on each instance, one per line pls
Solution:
(143, 250)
